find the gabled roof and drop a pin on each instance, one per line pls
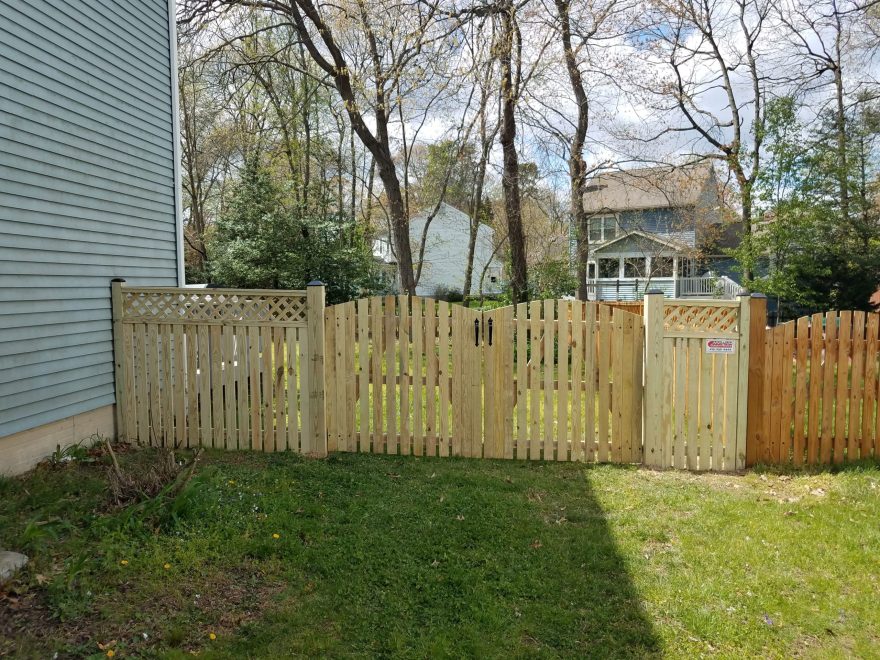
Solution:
(644, 236)
(648, 188)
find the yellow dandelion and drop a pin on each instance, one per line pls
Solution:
(124, 562)
(212, 636)
(167, 566)
(276, 536)
(111, 653)
(231, 482)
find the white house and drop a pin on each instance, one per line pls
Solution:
(445, 255)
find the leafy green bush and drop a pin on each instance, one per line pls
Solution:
(449, 294)
(553, 279)
(259, 243)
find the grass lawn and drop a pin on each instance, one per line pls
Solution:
(415, 557)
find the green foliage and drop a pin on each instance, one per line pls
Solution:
(449, 294)
(261, 243)
(819, 255)
(553, 279)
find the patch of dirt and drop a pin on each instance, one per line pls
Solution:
(216, 602)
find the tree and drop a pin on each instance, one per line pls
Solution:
(591, 21)
(204, 150)
(376, 57)
(702, 49)
(258, 243)
(819, 255)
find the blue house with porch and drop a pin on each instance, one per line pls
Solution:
(658, 228)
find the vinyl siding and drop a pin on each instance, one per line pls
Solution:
(446, 252)
(86, 192)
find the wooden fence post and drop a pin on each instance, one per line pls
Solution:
(755, 397)
(315, 441)
(744, 326)
(118, 357)
(652, 427)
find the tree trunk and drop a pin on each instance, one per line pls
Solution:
(577, 168)
(510, 171)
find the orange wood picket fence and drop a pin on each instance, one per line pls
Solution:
(813, 390)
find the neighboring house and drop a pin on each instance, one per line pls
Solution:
(88, 192)
(657, 228)
(445, 256)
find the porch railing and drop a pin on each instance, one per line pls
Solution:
(681, 287)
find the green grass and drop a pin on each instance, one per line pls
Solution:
(409, 557)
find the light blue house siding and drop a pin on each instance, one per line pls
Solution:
(87, 192)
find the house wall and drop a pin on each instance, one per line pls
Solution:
(672, 223)
(446, 252)
(87, 194)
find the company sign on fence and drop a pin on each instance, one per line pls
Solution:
(722, 346)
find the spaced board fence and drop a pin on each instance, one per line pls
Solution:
(558, 380)
(815, 390)
(218, 368)
(698, 385)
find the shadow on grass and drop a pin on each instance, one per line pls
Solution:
(414, 557)
(614, 621)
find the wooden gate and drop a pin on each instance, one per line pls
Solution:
(558, 380)
(696, 378)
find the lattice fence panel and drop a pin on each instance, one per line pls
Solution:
(716, 320)
(214, 307)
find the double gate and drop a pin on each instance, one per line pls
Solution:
(553, 379)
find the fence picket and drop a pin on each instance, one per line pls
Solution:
(417, 333)
(405, 382)
(432, 341)
(549, 365)
(590, 339)
(871, 382)
(844, 338)
(802, 329)
(444, 375)
(857, 350)
(815, 387)
(376, 380)
(522, 329)
(363, 350)
(390, 375)
(577, 379)
(535, 359)
(604, 372)
(562, 398)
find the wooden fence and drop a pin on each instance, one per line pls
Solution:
(557, 380)
(814, 390)
(687, 384)
(219, 368)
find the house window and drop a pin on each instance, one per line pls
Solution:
(603, 229)
(634, 267)
(591, 271)
(609, 268)
(661, 266)
(609, 227)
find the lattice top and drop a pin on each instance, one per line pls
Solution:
(212, 307)
(701, 319)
